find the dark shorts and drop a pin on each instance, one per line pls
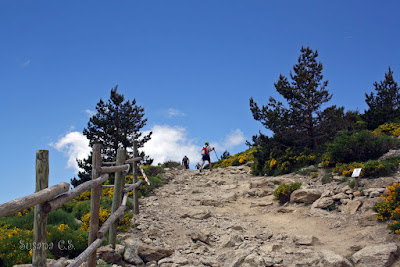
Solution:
(206, 157)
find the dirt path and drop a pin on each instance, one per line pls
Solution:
(214, 217)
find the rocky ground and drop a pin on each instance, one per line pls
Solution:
(227, 217)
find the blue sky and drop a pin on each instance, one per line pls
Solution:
(192, 65)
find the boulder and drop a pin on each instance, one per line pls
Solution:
(307, 196)
(197, 214)
(130, 256)
(108, 254)
(231, 241)
(150, 253)
(351, 207)
(331, 259)
(203, 236)
(323, 203)
(305, 240)
(378, 255)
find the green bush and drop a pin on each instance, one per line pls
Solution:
(281, 162)
(15, 246)
(81, 208)
(236, 162)
(60, 216)
(170, 164)
(153, 170)
(283, 192)
(327, 178)
(21, 222)
(370, 169)
(66, 242)
(155, 181)
(358, 147)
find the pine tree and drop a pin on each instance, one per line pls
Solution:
(116, 124)
(384, 106)
(297, 124)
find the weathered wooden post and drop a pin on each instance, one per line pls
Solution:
(134, 172)
(95, 202)
(40, 217)
(117, 197)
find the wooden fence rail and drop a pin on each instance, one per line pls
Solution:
(47, 199)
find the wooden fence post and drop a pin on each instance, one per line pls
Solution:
(134, 172)
(117, 197)
(40, 217)
(95, 202)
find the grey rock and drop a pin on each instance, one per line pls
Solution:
(150, 253)
(379, 255)
(351, 207)
(197, 214)
(231, 241)
(307, 196)
(305, 240)
(130, 256)
(323, 203)
(331, 259)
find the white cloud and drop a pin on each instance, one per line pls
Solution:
(91, 113)
(175, 113)
(235, 138)
(170, 143)
(74, 145)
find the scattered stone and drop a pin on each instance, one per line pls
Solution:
(351, 207)
(323, 203)
(108, 254)
(196, 214)
(231, 241)
(331, 259)
(150, 253)
(379, 255)
(130, 256)
(307, 196)
(203, 236)
(305, 240)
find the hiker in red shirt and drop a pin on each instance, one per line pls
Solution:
(205, 152)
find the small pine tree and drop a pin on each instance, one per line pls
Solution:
(116, 124)
(296, 125)
(384, 105)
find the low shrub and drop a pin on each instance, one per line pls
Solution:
(64, 241)
(283, 192)
(170, 164)
(60, 216)
(235, 160)
(370, 169)
(389, 128)
(327, 178)
(15, 246)
(358, 147)
(21, 220)
(282, 162)
(389, 208)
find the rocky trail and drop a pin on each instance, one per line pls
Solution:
(226, 217)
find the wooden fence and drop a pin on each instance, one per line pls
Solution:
(46, 199)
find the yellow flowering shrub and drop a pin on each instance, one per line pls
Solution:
(103, 216)
(389, 128)
(14, 246)
(237, 159)
(84, 196)
(282, 193)
(389, 207)
(347, 169)
(62, 227)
